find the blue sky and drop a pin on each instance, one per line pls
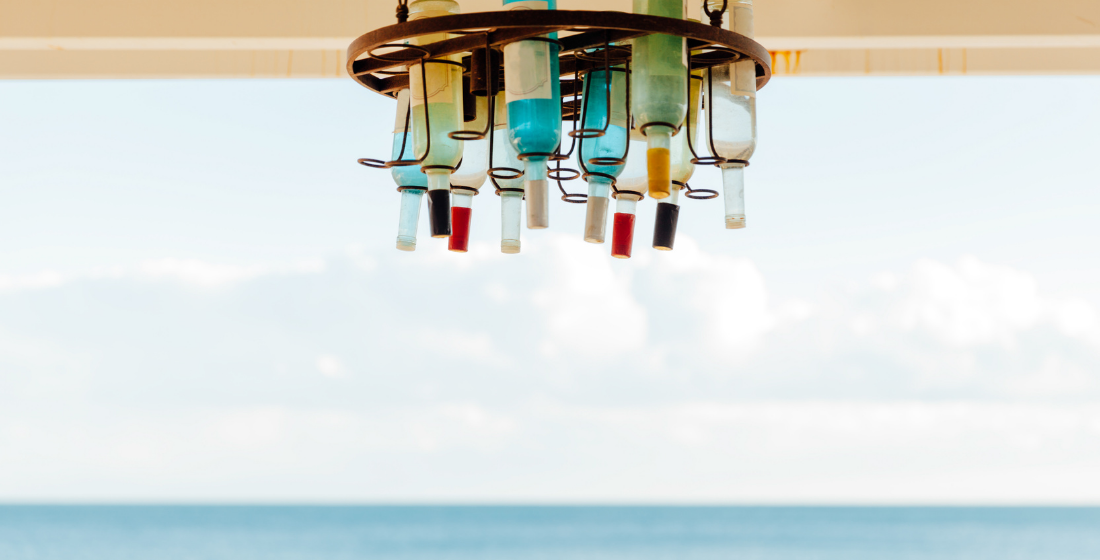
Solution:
(200, 301)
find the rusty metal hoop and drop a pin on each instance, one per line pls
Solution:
(591, 29)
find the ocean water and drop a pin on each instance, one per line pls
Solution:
(559, 533)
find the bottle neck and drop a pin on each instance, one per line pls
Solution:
(438, 179)
(599, 186)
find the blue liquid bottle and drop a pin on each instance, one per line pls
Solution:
(611, 145)
(533, 91)
(409, 178)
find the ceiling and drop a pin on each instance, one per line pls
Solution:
(306, 38)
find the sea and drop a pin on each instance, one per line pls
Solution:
(52, 532)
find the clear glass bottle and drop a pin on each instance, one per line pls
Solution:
(659, 90)
(632, 185)
(531, 83)
(681, 170)
(731, 107)
(443, 106)
(511, 201)
(410, 180)
(611, 145)
(468, 179)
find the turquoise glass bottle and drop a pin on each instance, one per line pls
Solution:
(533, 91)
(611, 145)
(409, 178)
(659, 90)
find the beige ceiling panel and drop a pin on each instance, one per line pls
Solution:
(306, 38)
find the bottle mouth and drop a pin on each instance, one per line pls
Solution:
(538, 211)
(735, 222)
(439, 213)
(622, 235)
(595, 220)
(459, 241)
(509, 246)
(664, 228)
(406, 244)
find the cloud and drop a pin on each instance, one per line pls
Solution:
(687, 376)
(698, 451)
(35, 281)
(728, 293)
(477, 347)
(189, 272)
(330, 366)
(588, 304)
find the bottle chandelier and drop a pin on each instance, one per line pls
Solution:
(486, 96)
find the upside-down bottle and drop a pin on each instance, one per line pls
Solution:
(611, 145)
(631, 187)
(659, 90)
(511, 193)
(410, 180)
(441, 80)
(731, 104)
(468, 178)
(681, 169)
(534, 110)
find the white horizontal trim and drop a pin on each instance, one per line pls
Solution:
(175, 43)
(931, 42)
(341, 43)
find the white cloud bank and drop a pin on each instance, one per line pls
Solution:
(703, 452)
(189, 272)
(681, 377)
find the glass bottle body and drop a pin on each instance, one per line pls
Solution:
(596, 115)
(533, 91)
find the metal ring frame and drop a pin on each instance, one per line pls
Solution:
(697, 194)
(708, 46)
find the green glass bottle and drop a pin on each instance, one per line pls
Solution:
(659, 90)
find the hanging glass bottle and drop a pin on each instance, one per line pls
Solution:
(468, 178)
(410, 180)
(659, 90)
(534, 110)
(631, 188)
(441, 81)
(731, 104)
(610, 146)
(511, 195)
(681, 169)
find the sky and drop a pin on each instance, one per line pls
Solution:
(200, 301)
